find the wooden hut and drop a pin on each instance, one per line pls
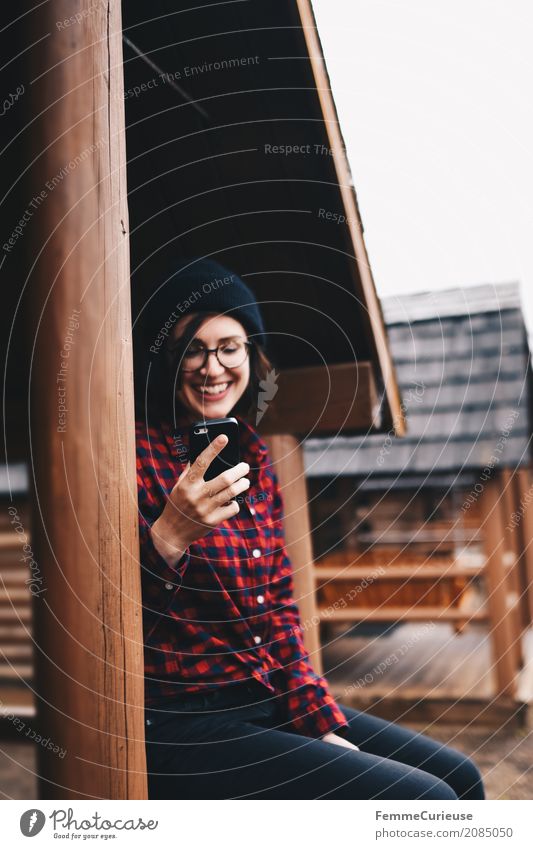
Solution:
(211, 134)
(436, 527)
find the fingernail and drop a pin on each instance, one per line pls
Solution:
(221, 438)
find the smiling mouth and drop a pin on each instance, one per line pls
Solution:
(212, 389)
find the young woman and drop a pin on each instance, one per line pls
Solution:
(234, 708)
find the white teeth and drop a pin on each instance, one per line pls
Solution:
(213, 390)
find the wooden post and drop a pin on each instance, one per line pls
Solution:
(87, 606)
(511, 560)
(524, 529)
(500, 611)
(286, 454)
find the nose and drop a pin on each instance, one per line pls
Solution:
(212, 367)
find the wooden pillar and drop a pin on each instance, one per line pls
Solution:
(501, 609)
(511, 559)
(522, 519)
(286, 453)
(87, 611)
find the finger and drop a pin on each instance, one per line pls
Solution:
(227, 478)
(184, 471)
(206, 457)
(236, 488)
(222, 513)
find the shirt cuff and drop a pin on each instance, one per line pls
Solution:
(160, 580)
(314, 712)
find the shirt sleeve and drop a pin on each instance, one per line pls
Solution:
(311, 708)
(159, 579)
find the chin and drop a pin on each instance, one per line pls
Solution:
(213, 411)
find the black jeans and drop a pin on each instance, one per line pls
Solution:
(233, 743)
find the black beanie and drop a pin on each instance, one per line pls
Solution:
(201, 285)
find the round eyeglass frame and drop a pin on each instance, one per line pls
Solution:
(206, 351)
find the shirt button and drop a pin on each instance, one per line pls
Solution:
(252, 511)
(260, 599)
(257, 639)
(169, 586)
(256, 552)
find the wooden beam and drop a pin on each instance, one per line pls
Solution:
(411, 573)
(524, 528)
(322, 399)
(510, 561)
(414, 613)
(287, 456)
(87, 613)
(418, 707)
(500, 611)
(362, 277)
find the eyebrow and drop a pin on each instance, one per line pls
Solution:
(223, 339)
(197, 339)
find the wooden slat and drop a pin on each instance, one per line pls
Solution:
(397, 614)
(495, 713)
(16, 699)
(15, 633)
(13, 594)
(420, 573)
(16, 651)
(395, 536)
(318, 399)
(10, 541)
(16, 672)
(14, 614)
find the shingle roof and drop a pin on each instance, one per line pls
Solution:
(443, 303)
(463, 367)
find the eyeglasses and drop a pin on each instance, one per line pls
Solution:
(230, 354)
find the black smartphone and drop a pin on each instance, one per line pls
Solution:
(202, 433)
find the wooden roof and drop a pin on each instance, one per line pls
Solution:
(463, 365)
(235, 151)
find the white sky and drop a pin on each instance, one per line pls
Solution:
(435, 101)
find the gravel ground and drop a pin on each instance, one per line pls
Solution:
(505, 758)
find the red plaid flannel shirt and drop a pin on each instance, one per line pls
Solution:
(226, 611)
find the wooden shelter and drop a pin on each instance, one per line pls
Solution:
(177, 146)
(436, 528)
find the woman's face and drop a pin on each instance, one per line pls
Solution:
(210, 392)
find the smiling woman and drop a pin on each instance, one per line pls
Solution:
(233, 704)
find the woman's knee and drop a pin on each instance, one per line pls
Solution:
(466, 779)
(436, 788)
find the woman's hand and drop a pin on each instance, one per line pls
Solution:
(195, 506)
(339, 741)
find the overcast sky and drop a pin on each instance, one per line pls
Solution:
(435, 104)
